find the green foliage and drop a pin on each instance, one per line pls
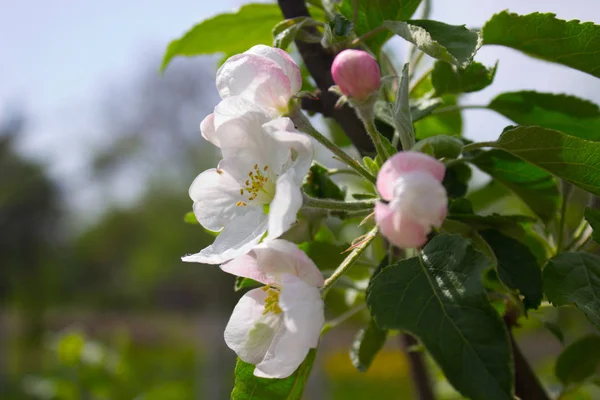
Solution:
(318, 184)
(229, 33)
(249, 387)
(440, 146)
(285, 32)
(372, 13)
(568, 114)
(447, 78)
(454, 44)
(367, 343)
(574, 278)
(242, 283)
(570, 43)
(456, 180)
(517, 266)
(579, 361)
(592, 216)
(537, 188)
(448, 123)
(440, 297)
(190, 218)
(401, 113)
(574, 159)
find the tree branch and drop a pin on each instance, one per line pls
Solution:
(318, 61)
(418, 369)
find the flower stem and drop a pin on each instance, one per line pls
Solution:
(366, 36)
(340, 171)
(479, 145)
(303, 124)
(347, 263)
(336, 205)
(367, 117)
(342, 318)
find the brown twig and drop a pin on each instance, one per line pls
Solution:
(418, 369)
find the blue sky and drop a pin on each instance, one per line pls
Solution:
(59, 54)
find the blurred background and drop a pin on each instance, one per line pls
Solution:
(97, 150)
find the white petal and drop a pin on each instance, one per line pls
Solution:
(215, 196)
(269, 261)
(250, 333)
(207, 129)
(282, 130)
(285, 205)
(256, 78)
(284, 60)
(237, 238)
(304, 318)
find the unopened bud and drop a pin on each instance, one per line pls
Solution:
(356, 73)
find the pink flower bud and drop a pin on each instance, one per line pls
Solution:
(417, 201)
(356, 73)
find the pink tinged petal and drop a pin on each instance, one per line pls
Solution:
(283, 59)
(356, 73)
(207, 129)
(304, 318)
(237, 238)
(256, 78)
(400, 230)
(405, 162)
(285, 205)
(249, 331)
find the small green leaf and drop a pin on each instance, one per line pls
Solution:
(574, 159)
(190, 218)
(285, 32)
(326, 256)
(517, 267)
(401, 110)
(371, 14)
(245, 283)
(229, 33)
(249, 387)
(367, 343)
(592, 216)
(440, 146)
(454, 44)
(371, 165)
(568, 114)
(456, 180)
(537, 188)
(440, 298)
(574, 278)
(570, 43)
(579, 361)
(318, 184)
(448, 123)
(556, 331)
(447, 78)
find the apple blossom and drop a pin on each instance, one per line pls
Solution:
(275, 326)
(254, 189)
(356, 73)
(262, 78)
(411, 183)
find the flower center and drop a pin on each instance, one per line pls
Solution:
(272, 301)
(260, 187)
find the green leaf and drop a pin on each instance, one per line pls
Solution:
(568, 114)
(440, 298)
(440, 146)
(537, 188)
(579, 360)
(229, 33)
(571, 158)
(456, 180)
(285, 32)
(447, 78)
(372, 13)
(449, 123)
(517, 267)
(574, 278)
(249, 387)
(592, 216)
(570, 43)
(326, 256)
(366, 345)
(190, 218)
(371, 165)
(318, 184)
(401, 117)
(451, 43)
(556, 331)
(245, 283)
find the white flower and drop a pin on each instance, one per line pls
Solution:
(275, 326)
(261, 79)
(255, 188)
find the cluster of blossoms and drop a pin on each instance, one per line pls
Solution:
(254, 195)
